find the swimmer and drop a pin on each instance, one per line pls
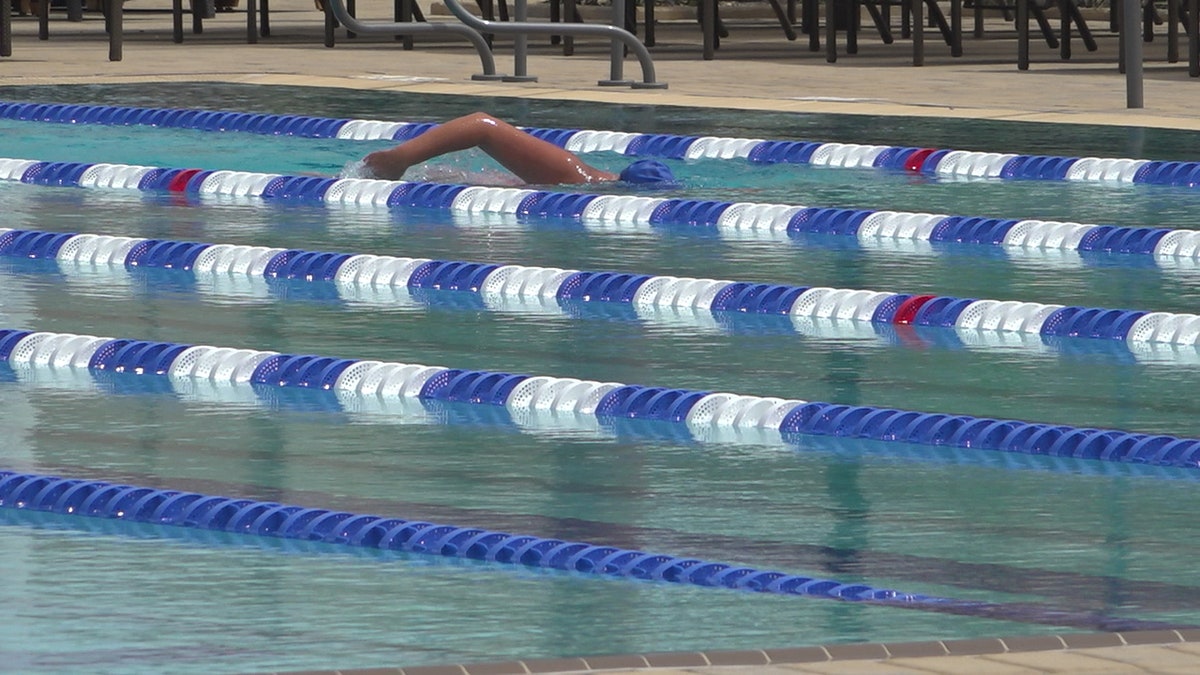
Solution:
(533, 160)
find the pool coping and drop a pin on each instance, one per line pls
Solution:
(869, 651)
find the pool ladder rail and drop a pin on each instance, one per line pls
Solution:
(471, 28)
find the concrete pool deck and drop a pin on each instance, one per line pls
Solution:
(756, 69)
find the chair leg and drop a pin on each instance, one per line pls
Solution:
(44, 20)
(918, 38)
(570, 12)
(402, 12)
(781, 15)
(1065, 30)
(502, 7)
(708, 23)
(711, 26)
(1193, 31)
(1043, 25)
(264, 18)
(177, 21)
(1173, 31)
(936, 17)
(1085, 33)
(881, 25)
(489, 14)
(851, 28)
(330, 26)
(648, 7)
(5, 28)
(811, 23)
(956, 28)
(251, 21)
(830, 31)
(114, 21)
(555, 13)
(719, 30)
(978, 16)
(1023, 34)
(197, 16)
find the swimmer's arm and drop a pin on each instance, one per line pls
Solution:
(532, 159)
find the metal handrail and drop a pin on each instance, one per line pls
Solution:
(537, 28)
(338, 7)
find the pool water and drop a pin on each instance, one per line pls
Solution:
(1056, 545)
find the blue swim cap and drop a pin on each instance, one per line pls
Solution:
(647, 171)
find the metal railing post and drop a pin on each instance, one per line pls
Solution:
(616, 76)
(1131, 51)
(520, 46)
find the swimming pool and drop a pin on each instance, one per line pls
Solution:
(1102, 545)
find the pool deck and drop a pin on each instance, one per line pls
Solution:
(1158, 652)
(757, 69)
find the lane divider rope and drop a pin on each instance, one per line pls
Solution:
(101, 499)
(425, 412)
(540, 289)
(416, 411)
(623, 211)
(930, 161)
(582, 402)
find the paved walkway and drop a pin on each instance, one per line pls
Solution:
(755, 69)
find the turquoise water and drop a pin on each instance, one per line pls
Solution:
(1105, 546)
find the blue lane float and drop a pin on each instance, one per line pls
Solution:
(930, 161)
(399, 411)
(578, 403)
(768, 221)
(513, 287)
(101, 499)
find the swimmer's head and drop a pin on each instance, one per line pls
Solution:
(648, 173)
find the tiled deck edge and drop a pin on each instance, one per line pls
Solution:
(796, 655)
